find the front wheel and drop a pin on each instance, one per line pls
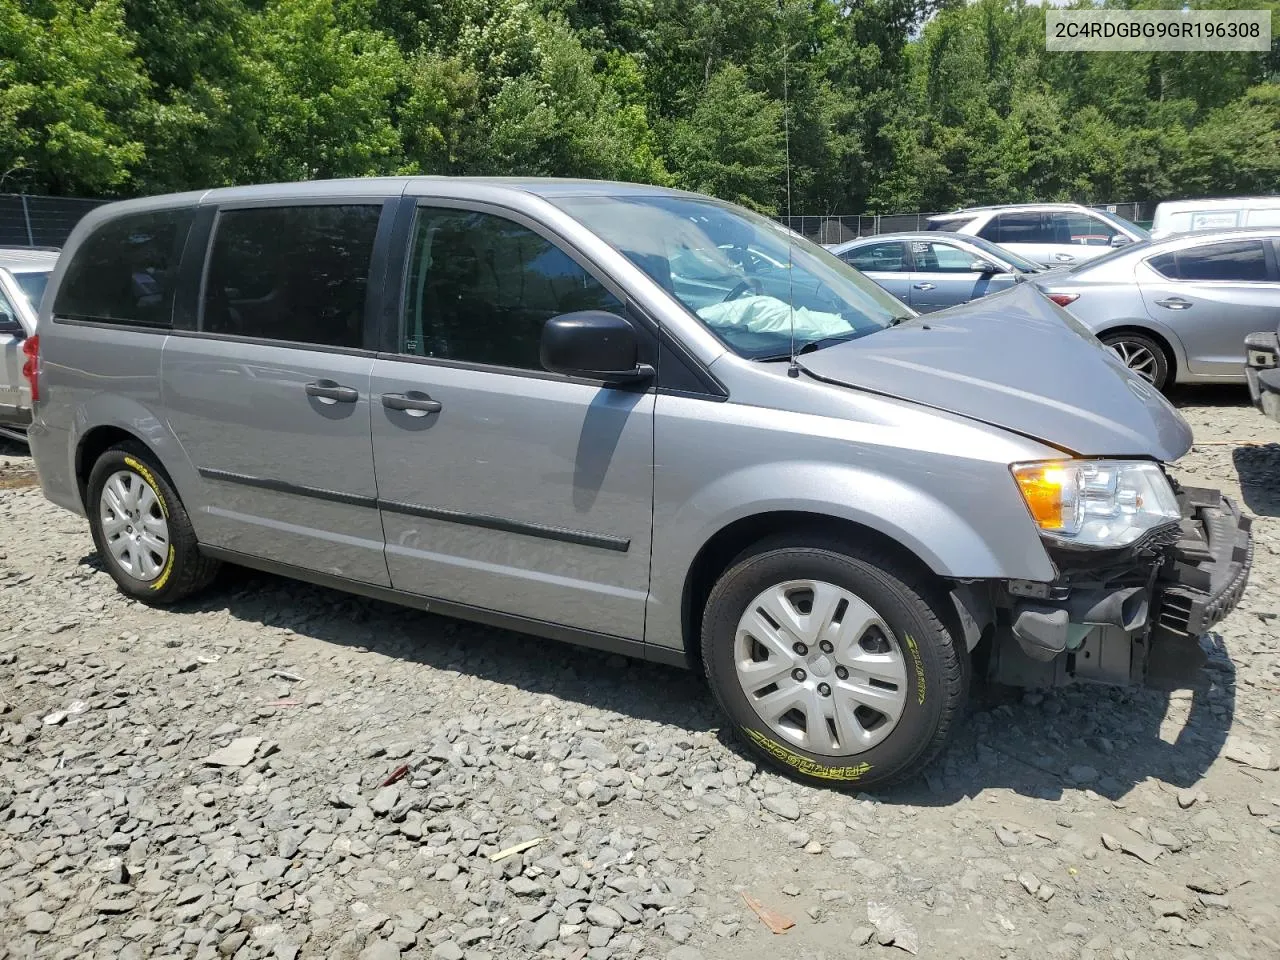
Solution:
(141, 529)
(834, 663)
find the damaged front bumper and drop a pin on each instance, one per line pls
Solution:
(1131, 616)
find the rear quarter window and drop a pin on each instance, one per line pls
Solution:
(126, 270)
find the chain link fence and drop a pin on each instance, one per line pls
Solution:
(838, 228)
(39, 221)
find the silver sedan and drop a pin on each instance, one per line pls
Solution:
(1178, 310)
(934, 270)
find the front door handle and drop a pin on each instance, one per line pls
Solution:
(413, 402)
(924, 286)
(327, 391)
(1064, 258)
(1174, 303)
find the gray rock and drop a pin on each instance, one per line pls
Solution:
(603, 916)
(449, 950)
(384, 800)
(380, 950)
(38, 922)
(238, 753)
(783, 805)
(544, 931)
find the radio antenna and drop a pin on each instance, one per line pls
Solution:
(793, 369)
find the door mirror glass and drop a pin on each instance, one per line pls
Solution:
(593, 343)
(984, 266)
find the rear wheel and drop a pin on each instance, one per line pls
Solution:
(834, 663)
(1142, 355)
(141, 529)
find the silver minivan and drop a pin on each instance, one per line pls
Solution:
(641, 420)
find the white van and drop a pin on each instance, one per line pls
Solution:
(1188, 216)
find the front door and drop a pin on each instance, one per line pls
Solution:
(886, 263)
(502, 486)
(1212, 296)
(943, 276)
(270, 396)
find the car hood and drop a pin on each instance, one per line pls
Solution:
(1017, 361)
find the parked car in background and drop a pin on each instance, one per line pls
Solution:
(931, 271)
(1178, 310)
(504, 400)
(1190, 216)
(1262, 368)
(24, 273)
(1052, 234)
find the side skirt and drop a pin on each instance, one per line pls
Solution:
(462, 611)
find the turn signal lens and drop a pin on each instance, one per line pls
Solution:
(1050, 491)
(1064, 299)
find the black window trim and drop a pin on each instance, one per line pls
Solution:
(134, 326)
(1270, 259)
(396, 304)
(373, 286)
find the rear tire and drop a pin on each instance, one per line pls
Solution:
(863, 690)
(141, 529)
(1141, 354)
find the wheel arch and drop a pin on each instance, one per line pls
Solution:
(730, 541)
(112, 420)
(1169, 344)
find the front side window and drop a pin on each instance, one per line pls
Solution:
(297, 274)
(1081, 229)
(8, 318)
(887, 257)
(933, 257)
(481, 288)
(1242, 261)
(748, 279)
(126, 270)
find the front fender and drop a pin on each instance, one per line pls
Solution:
(980, 531)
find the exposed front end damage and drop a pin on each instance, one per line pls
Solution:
(1128, 616)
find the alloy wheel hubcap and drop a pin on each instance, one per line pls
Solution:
(134, 526)
(820, 667)
(1137, 358)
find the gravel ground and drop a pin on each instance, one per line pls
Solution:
(206, 782)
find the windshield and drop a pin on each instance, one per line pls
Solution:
(1019, 263)
(1129, 225)
(748, 279)
(33, 285)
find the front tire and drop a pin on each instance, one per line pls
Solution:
(141, 529)
(834, 663)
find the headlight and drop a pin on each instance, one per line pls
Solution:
(1096, 503)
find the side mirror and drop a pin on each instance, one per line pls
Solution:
(984, 266)
(1120, 240)
(9, 324)
(593, 343)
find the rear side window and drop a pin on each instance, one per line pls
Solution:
(1019, 228)
(125, 271)
(481, 287)
(890, 257)
(298, 274)
(1242, 261)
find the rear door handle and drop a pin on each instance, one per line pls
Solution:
(924, 286)
(413, 402)
(327, 391)
(1174, 303)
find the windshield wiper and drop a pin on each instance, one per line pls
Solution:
(809, 346)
